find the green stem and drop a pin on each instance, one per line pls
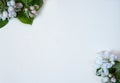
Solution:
(4, 4)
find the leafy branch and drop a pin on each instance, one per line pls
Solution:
(24, 10)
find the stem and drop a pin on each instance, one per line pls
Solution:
(4, 2)
(117, 71)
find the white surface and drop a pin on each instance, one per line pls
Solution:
(61, 45)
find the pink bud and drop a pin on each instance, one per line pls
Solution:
(36, 6)
(31, 15)
(34, 12)
(19, 5)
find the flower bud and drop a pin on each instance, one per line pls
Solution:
(32, 7)
(113, 79)
(110, 75)
(31, 15)
(34, 12)
(36, 6)
(19, 5)
(26, 9)
(8, 4)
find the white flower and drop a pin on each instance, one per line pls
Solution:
(105, 79)
(113, 79)
(109, 65)
(106, 72)
(3, 18)
(106, 55)
(97, 66)
(12, 14)
(12, 3)
(5, 14)
(113, 58)
(105, 61)
(104, 66)
(10, 9)
(99, 62)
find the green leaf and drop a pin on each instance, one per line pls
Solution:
(38, 2)
(1, 6)
(26, 1)
(24, 18)
(117, 72)
(112, 70)
(117, 82)
(3, 23)
(97, 72)
(117, 65)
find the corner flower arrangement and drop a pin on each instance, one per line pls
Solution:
(108, 67)
(24, 10)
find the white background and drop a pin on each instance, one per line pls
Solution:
(61, 45)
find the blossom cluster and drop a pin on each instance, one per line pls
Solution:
(12, 8)
(105, 61)
(24, 10)
(31, 11)
(11, 11)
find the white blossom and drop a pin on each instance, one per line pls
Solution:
(10, 9)
(3, 18)
(5, 14)
(106, 72)
(105, 79)
(113, 79)
(105, 61)
(113, 57)
(12, 3)
(12, 14)
(106, 55)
